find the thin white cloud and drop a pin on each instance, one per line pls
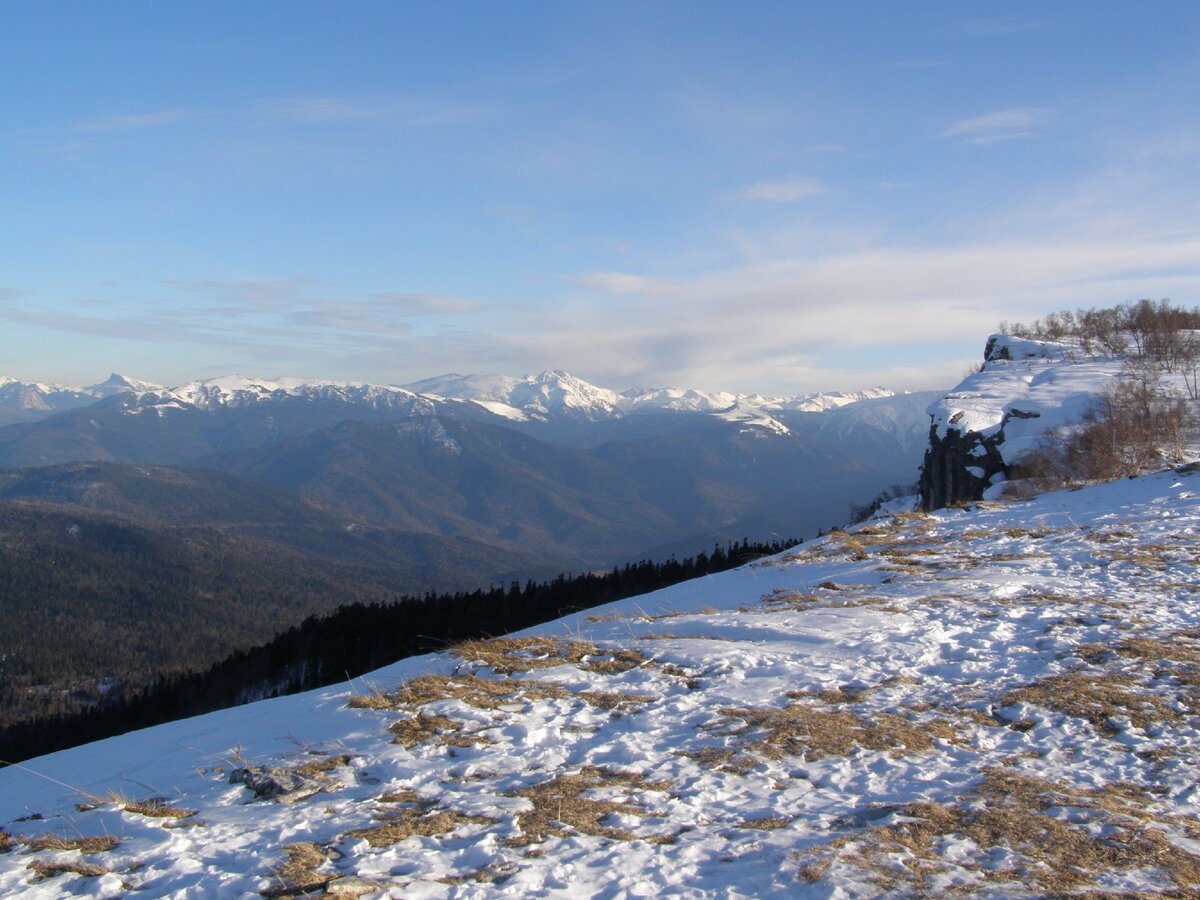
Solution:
(786, 190)
(387, 110)
(1000, 125)
(427, 304)
(134, 121)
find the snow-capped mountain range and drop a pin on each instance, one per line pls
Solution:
(551, 395)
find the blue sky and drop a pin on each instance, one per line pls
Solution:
(774, 197)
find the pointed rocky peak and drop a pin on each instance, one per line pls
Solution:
(119, 384)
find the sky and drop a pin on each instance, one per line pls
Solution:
(760, 197)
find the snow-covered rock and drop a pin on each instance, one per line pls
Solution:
(997, 415)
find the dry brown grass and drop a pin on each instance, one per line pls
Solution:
(157, 808)
(480, 693)
(721, 759)
(1096, 697)
(1009, 813)
(794, 599)
(847, 694)
(323, 764)
(6, 841)
(47, 869)
(1178, 648)
(766, 823)
(100, 844)
(298, 875)
(404, 796)
(416, 729)
(560, 807)
(511, 655)
(419, 821)
(811, 731)
(614, 700)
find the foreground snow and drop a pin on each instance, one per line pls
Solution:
(1001, 699)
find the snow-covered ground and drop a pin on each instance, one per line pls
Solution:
(1000, 700)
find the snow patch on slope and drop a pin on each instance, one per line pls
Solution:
(931, 647)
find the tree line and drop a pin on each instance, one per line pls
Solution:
(357, 638)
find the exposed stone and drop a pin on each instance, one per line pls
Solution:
(280, 784)
(352, 886)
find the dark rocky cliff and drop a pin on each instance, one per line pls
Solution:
(960, 465)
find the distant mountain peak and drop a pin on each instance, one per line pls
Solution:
(117, 383)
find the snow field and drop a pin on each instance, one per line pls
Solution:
(1000, 700)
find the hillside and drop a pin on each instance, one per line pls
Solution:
(999, 700)
(97, 604)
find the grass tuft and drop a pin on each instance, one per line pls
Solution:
(419, 821)
(1009, 813)
(812, 732)
(157, 808)
(48, 869)
(508, 656)
(561, 809)
(100, 844)
(1098, 697)
(298, 875)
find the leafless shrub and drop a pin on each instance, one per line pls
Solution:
(1159, 330)
(1132, 428)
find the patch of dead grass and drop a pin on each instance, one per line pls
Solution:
(403, 796)
(416, 729)
(298, 875)
(6, 841)
(157, 808)
(478, 693)
(1097, 697)
(1009, 813)
(721, 759)
(848, 694)
(793, 599)
(812, 732)
(560, 807)
(766, 823)
(99, 844)
(508, 656)
(44, 868)
(323, 764)
(420, 821)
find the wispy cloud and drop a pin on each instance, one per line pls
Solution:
(134, 121)
(397, 111)
(785, 190)
(269, 293)
(1004, 124)
(427, 304)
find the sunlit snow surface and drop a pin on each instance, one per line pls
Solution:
(1086, 600)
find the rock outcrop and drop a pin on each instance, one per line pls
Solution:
(998, 414)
